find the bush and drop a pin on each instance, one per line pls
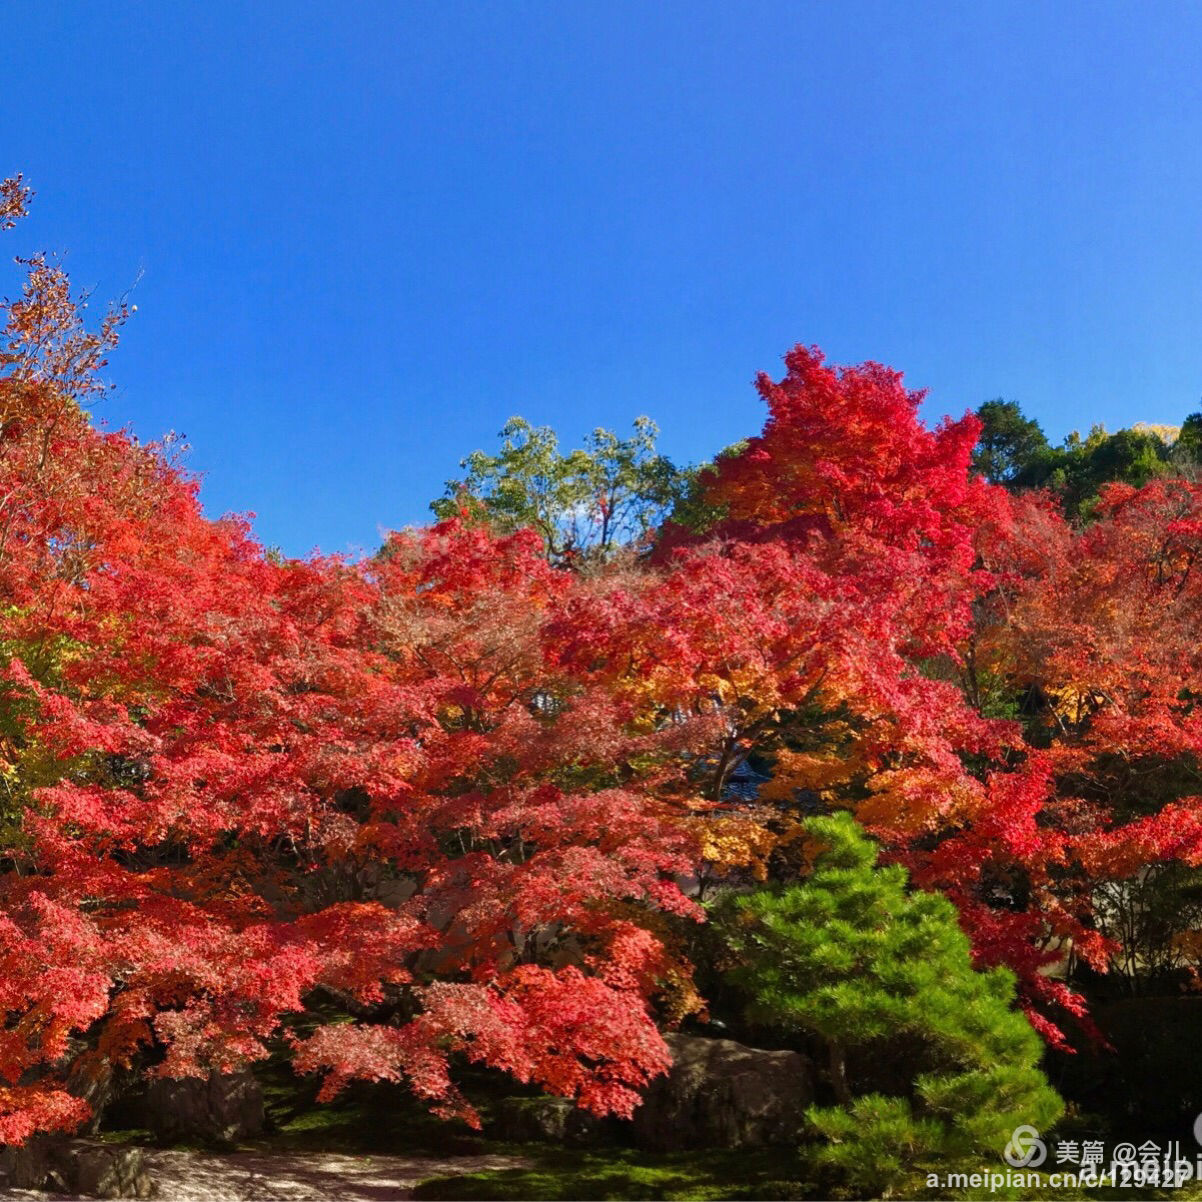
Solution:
(876, 973)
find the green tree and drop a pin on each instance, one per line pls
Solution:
(1189, 441)
(931, 1066)
(1131, 456)
(584, 503)
(1078, 468)
(1009, 442)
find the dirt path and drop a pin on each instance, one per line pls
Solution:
(181, 1176)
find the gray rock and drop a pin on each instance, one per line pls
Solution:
(545, 1120)
(220, 1109)
(108, 1171)
(35, 1164)
(722, 1094)
(80, 1167)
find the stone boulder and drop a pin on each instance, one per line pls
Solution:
(109, 1171)
(33, 1164)
(221, 1109)
(82, 1168)
(722, 1094)
(545, 1120)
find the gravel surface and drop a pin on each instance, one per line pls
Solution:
(184, 1176)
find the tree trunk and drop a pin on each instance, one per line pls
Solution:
(837, 1066)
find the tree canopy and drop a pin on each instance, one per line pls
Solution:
(880, 975)
(584, 504)
(456, 801)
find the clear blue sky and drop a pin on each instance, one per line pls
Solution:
(370, 233)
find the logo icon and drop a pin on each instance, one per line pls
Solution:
(1025, 1149)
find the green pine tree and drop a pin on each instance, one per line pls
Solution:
(878, 973)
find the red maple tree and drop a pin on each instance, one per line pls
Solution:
(453, 793)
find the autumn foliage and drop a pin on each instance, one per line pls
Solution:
(458, 799)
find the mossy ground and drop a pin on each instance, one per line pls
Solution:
(385, 1119)
(623, 1173)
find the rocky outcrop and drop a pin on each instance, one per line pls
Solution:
(108, 1171)
(722, 1094)
(82, 1168)
(220, 1109)
(545, 1120)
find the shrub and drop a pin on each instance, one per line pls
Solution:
(874, 972)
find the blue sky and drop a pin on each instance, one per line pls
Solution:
(371, 233)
